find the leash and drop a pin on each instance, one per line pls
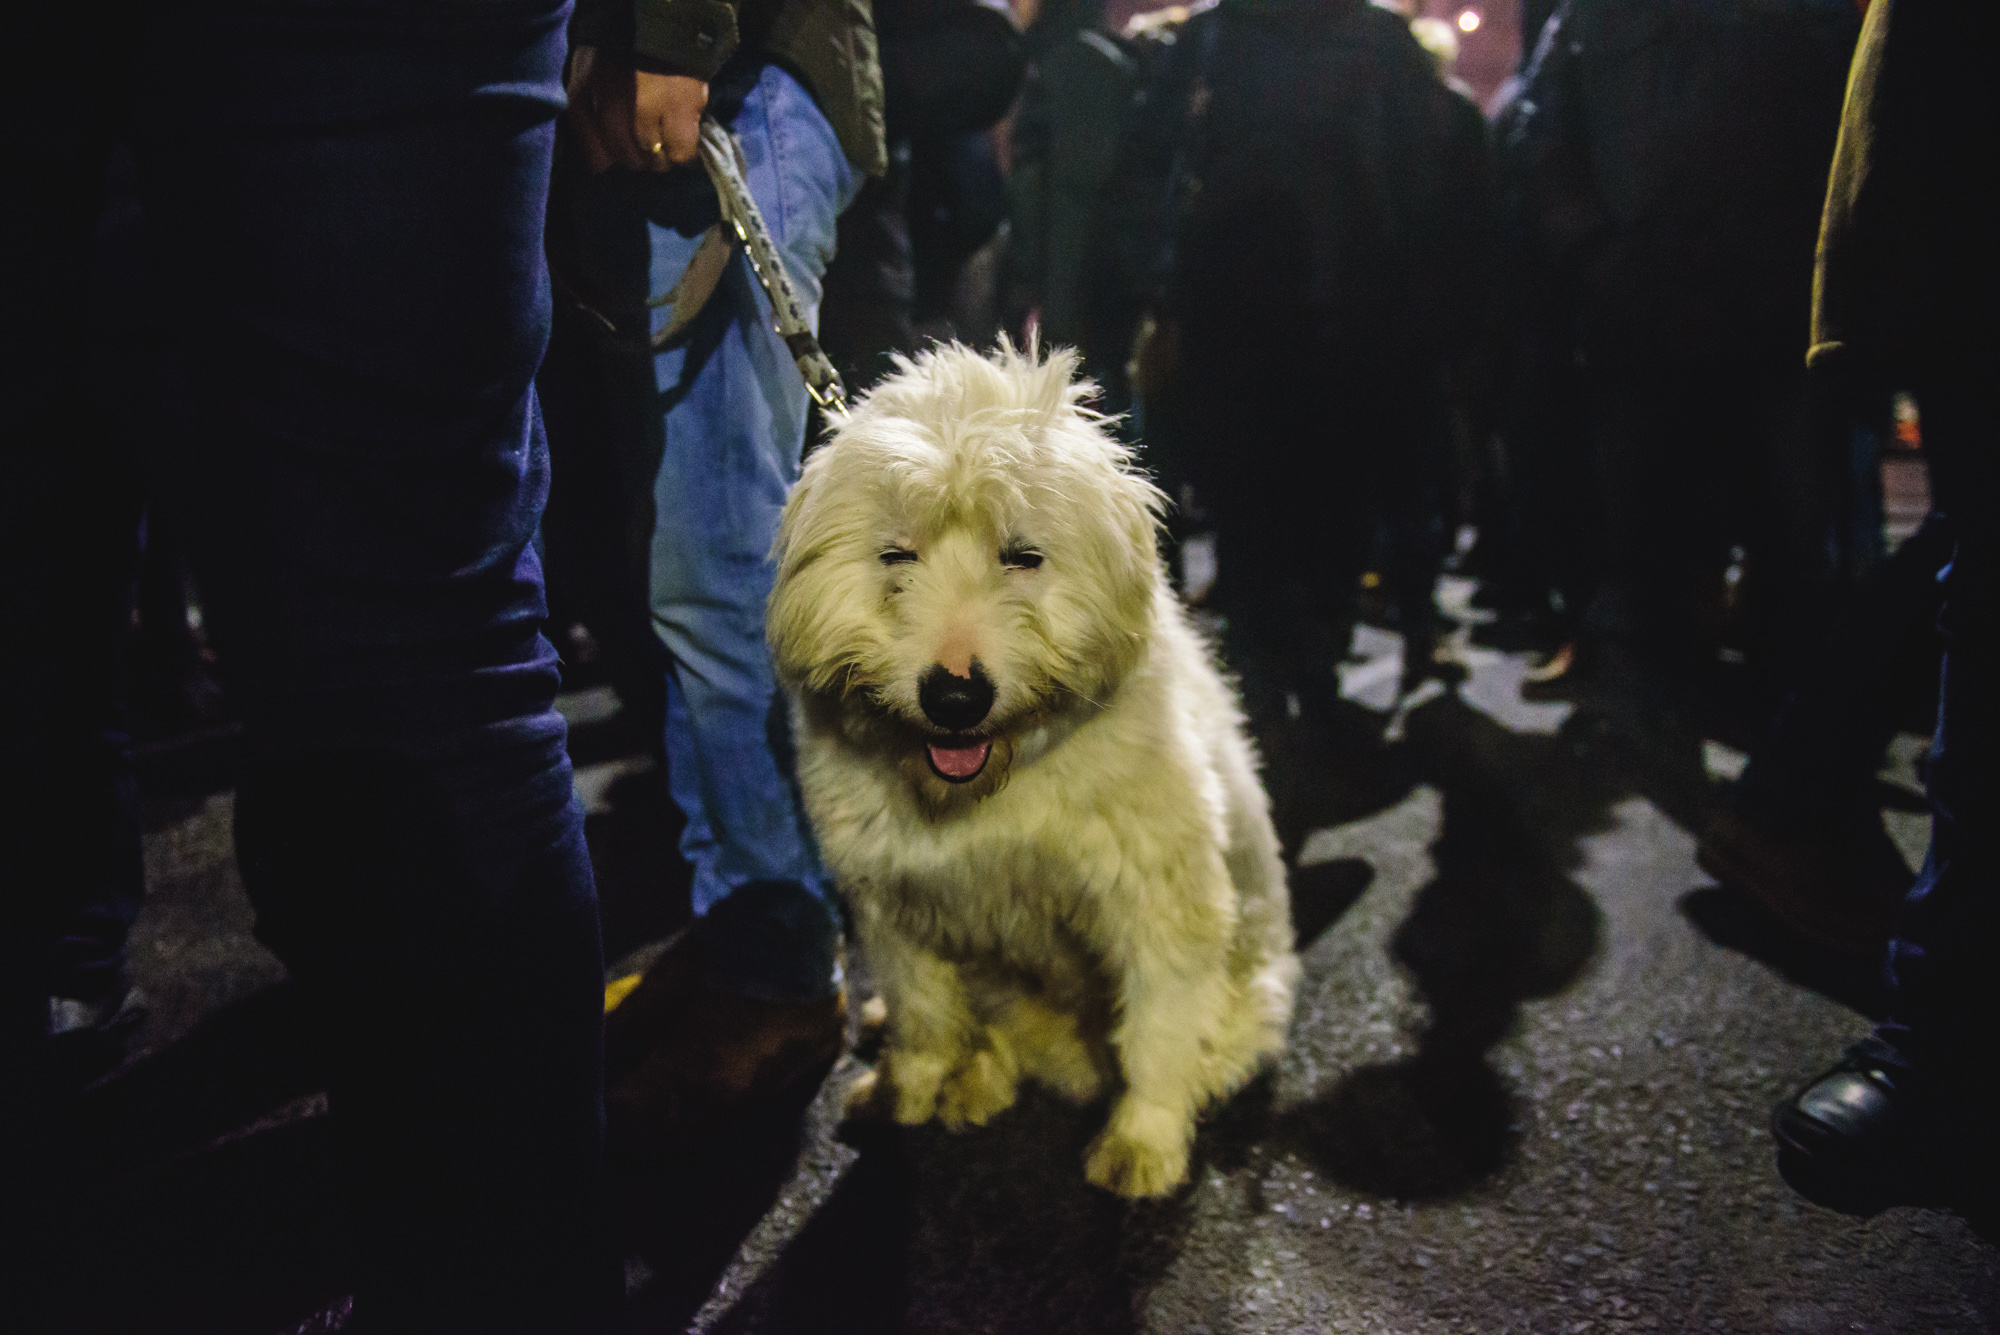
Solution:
(723, 157)
(742, 225)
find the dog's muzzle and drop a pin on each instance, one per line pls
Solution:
(960, 704)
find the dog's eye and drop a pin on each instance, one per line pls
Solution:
(1021, 558)
(898, 556)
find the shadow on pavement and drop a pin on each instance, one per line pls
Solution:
(848, 1268)
(1500, 923)
(239, 1063)
(685, 1209)
(242, 1238)
(1028, 1244)
(1735, 921)
(1323, 893)
(1329, 767)
(192, 1191)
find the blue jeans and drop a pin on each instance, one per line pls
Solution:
(730, 426)
(346, 203)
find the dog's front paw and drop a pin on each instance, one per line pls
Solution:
(977, 1091)
(1143, 1152)
(1052, 1050)
(914, 1080)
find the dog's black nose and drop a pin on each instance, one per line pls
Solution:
(957, 703)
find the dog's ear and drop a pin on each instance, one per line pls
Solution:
(799, 507)
(1140, 507)
(818, 620)
(787, 613)
(1132, 572)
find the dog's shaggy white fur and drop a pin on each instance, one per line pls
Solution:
(1082, 887)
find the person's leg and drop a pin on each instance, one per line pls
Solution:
(1555, 514)
(69, 517)
(868, 311)
(1944, 993)
(1817, 763)
(1802, 828)
(1410, 445)
(598, 399)
(1797, 454)
(1643, 451)
(1661, 481)
(734, 431)
(69, 797)
(597, 526)
(1903, 1120)
(348, 204)
(1670, 447)
(77, 807)
(1283, 480)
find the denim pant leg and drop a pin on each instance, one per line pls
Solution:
(734, 418)
(348, 206)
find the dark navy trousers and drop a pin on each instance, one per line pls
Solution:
(345, 203)
(1944, 1009)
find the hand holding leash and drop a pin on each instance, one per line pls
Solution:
(632, 118)
(742, 224)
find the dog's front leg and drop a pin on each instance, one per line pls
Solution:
(1173, 996)
(936, 1064)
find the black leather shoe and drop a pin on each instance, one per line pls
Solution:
(1859, 1140)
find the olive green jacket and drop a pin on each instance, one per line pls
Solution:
(828, 44)
(1834, 316)
(1908, 273)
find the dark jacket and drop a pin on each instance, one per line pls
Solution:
(828, 44)
(1066, 133)
(1320, 171)
(1907, 271)
(950, 69)
(1681, 149)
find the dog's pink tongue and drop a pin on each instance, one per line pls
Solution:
(960, 762)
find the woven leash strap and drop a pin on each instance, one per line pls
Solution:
(723, 157)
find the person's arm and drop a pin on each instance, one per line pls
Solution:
(638, 80)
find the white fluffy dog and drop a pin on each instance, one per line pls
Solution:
(1023, 767)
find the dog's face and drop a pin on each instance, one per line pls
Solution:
(966, 566)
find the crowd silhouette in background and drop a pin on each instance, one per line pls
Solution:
(371, 422)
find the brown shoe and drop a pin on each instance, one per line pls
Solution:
(690, 1057)
(1840, 890)
(646, 1012)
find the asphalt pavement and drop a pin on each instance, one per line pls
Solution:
(1534, 1053)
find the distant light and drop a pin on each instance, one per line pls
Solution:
(1468, 20)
